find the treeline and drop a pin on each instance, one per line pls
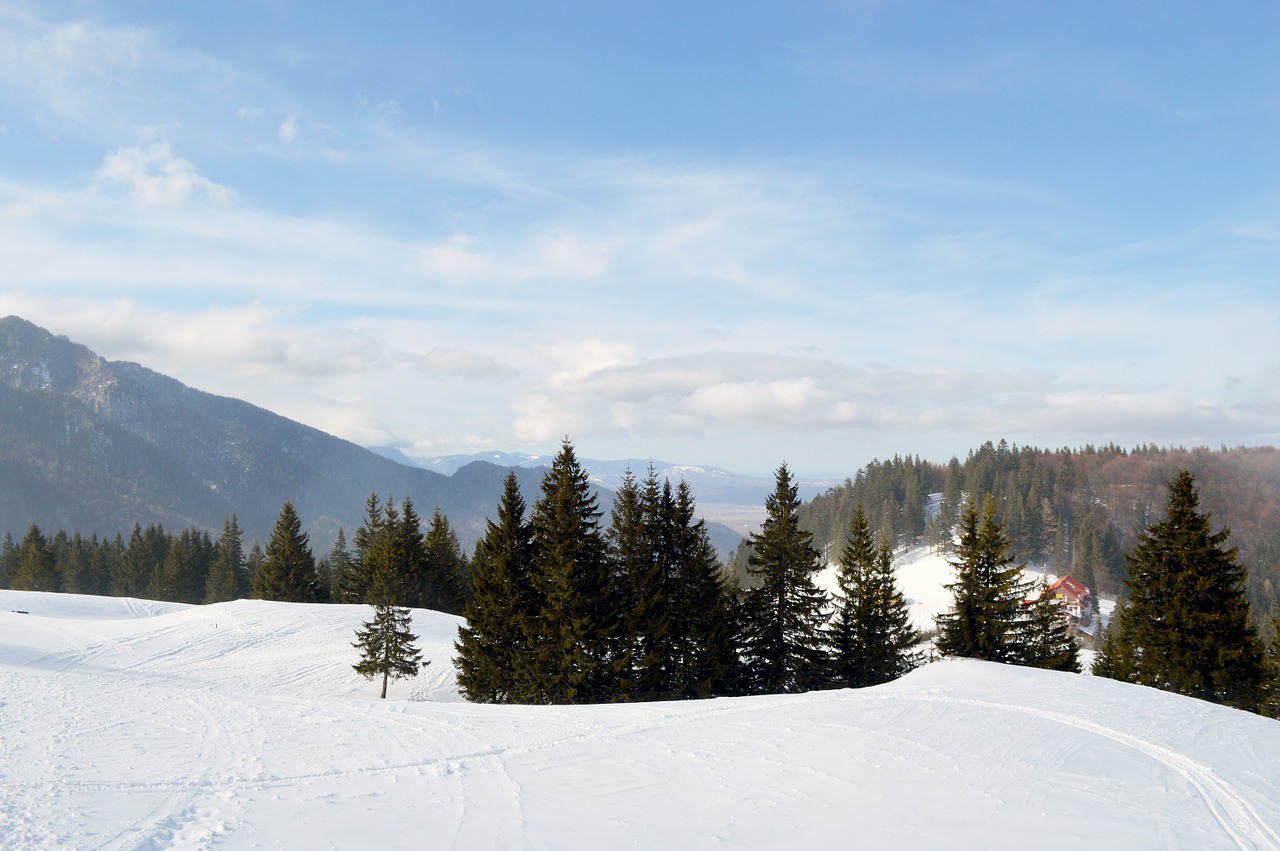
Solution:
(567, 610)
(1075, 510)
(427, 566)
(187, 567)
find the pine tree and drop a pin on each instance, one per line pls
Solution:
(493, 642)
(573, 635)
(641, 589)
(701, 625)
(1111, 659)
(784, 611)
(1048, 642)
(354, 584)
(1186, 627)
(143, 554)
(181, 577)
(288, 571)
(446, 570)
(77, 571)
(872, 640)
(8, 560)
(227, 579)
(335, 566)
(387, 647)
(35, 570)
(986, 619)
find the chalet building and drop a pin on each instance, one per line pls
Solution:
(1075, 599)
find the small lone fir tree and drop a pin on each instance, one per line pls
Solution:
(387, 647)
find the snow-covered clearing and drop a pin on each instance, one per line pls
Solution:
(129, 724)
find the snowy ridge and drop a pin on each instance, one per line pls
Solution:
(130, 724)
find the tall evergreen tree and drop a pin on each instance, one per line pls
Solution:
(181, 577)
(573, 635)
(986, 620)
(8, 560)
(335, 566)
(387, 647)
(640, 588)
(77, 571)
(143, 554)
(784, 611)
(1186, 626)
(406, 556)
(492, 643)
(872, 640)
(369, 539)
(288, 571)
(446, 570)
(35, 571)
(702, 624)
(227, 578)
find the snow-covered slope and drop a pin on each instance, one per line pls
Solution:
(127, 724)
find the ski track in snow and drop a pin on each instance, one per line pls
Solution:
(1237, 817)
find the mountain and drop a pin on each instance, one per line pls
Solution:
(94, 445)
(711, 485)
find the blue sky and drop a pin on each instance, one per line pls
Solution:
(717, 233)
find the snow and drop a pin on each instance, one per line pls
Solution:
(128, 724)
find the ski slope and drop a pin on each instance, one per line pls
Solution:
(127, 724)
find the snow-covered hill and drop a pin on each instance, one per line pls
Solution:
(130, 724)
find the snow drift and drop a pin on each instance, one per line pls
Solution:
(132, 724)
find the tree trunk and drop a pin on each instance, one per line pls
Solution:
(386, 674)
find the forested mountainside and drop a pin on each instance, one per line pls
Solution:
(97, 446)
(1076, 510)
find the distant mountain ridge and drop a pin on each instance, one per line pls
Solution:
(95, 446)
(711, 485)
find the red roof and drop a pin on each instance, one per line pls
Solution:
(1070, 587)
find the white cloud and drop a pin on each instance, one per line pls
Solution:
(155, 177)
(288, 130)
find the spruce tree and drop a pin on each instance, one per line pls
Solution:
(986, 620)
(182, 576)
(1186, 626)
(572, 637)
(335, 566)
(387, 647)
(288, 571)
(35, 570)
(8, 560)
(783, 611)
(492, 643)
(227, 580)
(872, 640)
(77, 572)
(446, 570)
(405, 556)
(702, 624)
(640, 588)
(1048, 642)
(354, 583)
